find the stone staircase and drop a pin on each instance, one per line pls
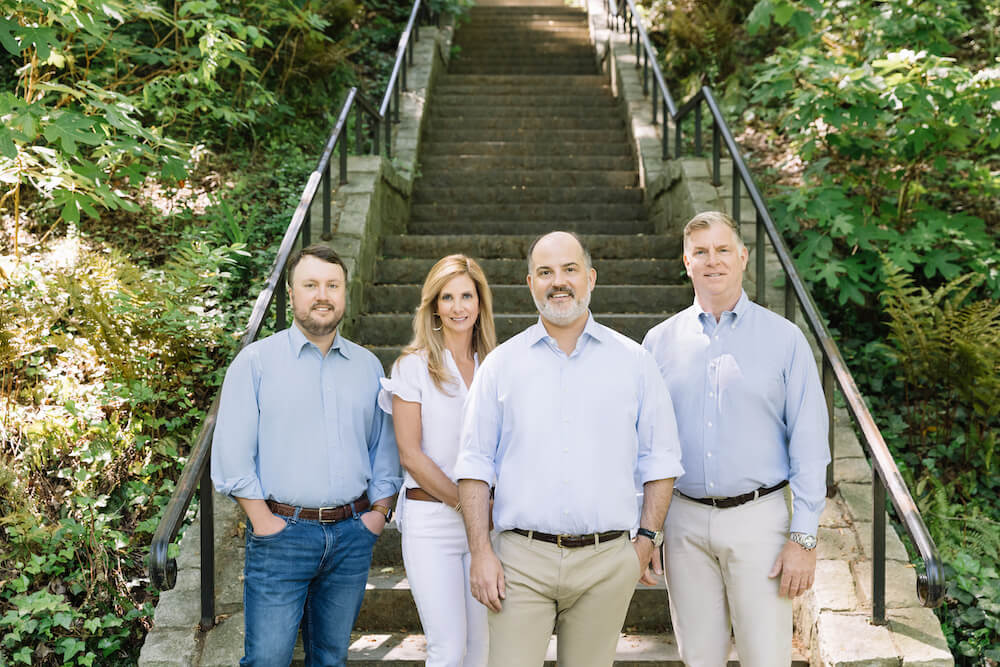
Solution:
(523, 137)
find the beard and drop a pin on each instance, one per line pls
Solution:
(313, 326)
(566, 314)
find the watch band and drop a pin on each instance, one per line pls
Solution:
(384, 510)
(804, 540)
(656, 537)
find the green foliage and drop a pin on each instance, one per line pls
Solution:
(899, 141)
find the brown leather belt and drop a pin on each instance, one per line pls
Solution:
(416, 493)
(570, 541)
(736, 501)
(321, 514)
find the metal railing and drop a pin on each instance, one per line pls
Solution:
(196, 473)
(885, 475)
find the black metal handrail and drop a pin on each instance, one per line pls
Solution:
(885, 474)
(196, 474)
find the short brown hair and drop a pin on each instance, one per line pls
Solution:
(318, 250)
(707, 219)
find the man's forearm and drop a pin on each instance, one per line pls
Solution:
(656, 496)
(256, 510)
(475, 498)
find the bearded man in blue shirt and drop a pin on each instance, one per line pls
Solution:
(567, 417)
(752, 421)
(303, 447)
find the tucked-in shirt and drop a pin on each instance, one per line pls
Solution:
(440, 411)
(749, 403)
(567, 439)
(303, 428)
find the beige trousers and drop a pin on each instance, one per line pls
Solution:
(716, 562)
(581, 594)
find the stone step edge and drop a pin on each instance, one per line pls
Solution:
(403, 648)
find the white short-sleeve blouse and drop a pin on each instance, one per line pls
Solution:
(440, 413)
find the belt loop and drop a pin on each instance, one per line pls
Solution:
(756, 493)
(597, 541)
(355, 513)
(531, 533)
(295, 516)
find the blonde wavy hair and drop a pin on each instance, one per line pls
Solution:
(427, 339)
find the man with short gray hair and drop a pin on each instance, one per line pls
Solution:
(565, 417)
(752, 421)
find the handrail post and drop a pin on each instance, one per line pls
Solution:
(358, 122)
(656, 97)
(716, 153)
(378, 137)
(388, 128)
(395, 113)
(343, 172)
(678, 145)
(307, 230)
(759, 250)
(789, 300)
(878, 549)
(697, 130)
(402, 75)
(207, 512)
(831, 483)
(736, 194)
(666, 132)
(280, 305)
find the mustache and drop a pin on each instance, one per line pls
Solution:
(566, 290)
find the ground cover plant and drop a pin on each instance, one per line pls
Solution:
(151, 155)
(875, 129)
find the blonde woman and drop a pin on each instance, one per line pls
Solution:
(452, 332)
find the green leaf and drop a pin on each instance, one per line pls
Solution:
(784, 12)
(6, 38)
(759, 17)
(7, 146)
(802, 22)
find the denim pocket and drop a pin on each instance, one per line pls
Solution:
(264, 538)
(365, 529)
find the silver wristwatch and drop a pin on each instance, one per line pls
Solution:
(804, 540)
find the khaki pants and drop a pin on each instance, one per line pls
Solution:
(581, 594)
(716, 563)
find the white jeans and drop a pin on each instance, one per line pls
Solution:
(716, 564)
(436, 556)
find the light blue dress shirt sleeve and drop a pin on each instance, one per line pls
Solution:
(382, 452)
(656, 428)
(234, 445)
(480, 427)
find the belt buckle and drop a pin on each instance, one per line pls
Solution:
(319, 515)
(559, 539)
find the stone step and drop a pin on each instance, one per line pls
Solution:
(526, 28)
(526, 148)
(555, 213)
(384, 330)
(551, 101)
(556, 87)
(562, 112)
(512, 271)
(388, 603)
(601, 246)
(575, 67)
(404, 299)
(453, 178)
(525, 194)
(467, 123)
(500, 80)
(533, 227)
(431, 164)
(542, 137)
(481, 55)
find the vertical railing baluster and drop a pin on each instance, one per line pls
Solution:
(789, 300)
(395, 111)
(831, 483)
(678, 144)
(697, 130)
(878, 549)
(326, 202)
(411, 43)
(207, 510)
(645, 72)
(377, 133)
(280, 321)
(735, 212)
(358, 122)
(307, 228)
(656, 97)
(716, 154)
(666, 132)
(759, 250)
(343, 167)
(388, 128)
(402, 74)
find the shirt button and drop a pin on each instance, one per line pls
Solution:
(711, 394)
(711, 485)
(716, 336)
(710, 424)
(709, 455)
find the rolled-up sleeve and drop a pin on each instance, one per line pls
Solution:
(480, 427)
(382, 452)
(234, 442)
(808, 445)
(656, 427)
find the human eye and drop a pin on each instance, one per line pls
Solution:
(445, 297)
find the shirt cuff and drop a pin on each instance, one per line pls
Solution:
(804, 521)
(664, 469)
(384, 488)
(248, 487)
(474, 468)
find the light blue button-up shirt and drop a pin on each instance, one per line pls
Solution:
(301, 428)
(568, 438)
(749, 404)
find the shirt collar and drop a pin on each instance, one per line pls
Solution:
(537, 331)
(298, 341)
(738, 311)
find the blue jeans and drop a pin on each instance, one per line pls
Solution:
(307, 574)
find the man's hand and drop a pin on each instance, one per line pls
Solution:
(268, 524)
(644, 551)
(486, 579)
(796, 567)
(374, 521)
